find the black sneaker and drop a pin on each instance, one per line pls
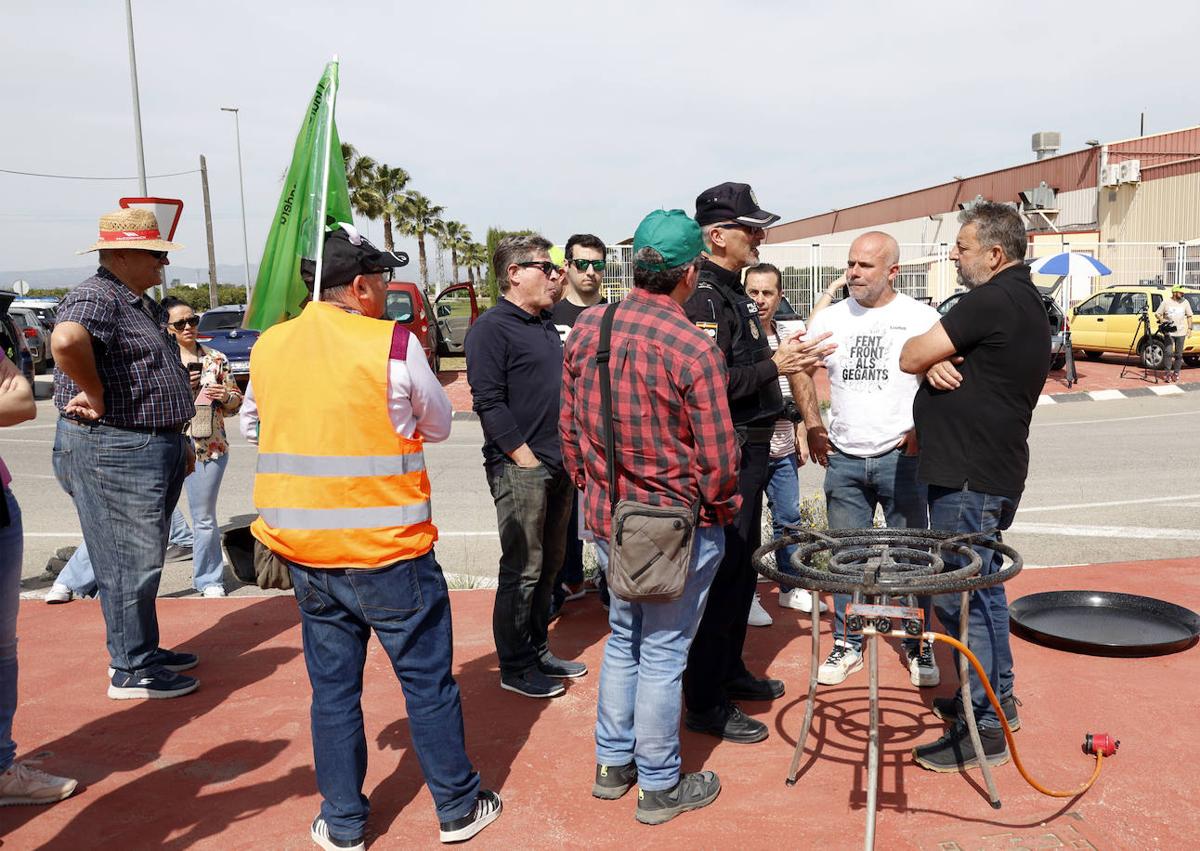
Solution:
(692, 792)
(153, 683)
(320, 835)
(531, 683)
(552, 666)
(955, 752)
(752, 688)
(613, 781)
(727, 722)
(950, 708)
(177, 553)
(487, 809)
(171, 660)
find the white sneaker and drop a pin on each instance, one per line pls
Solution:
(21, 784)
(59, 593)
(320, 835)
(758, 615)
(213, 591)
(922, 667)
(842, 661)
(799, 599)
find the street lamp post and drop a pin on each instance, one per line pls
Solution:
(242, 191)
(137, 109)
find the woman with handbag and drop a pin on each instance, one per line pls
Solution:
(217, 397)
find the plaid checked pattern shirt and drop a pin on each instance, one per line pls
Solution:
(674, 437)
(145, 384)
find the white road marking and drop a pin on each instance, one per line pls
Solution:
(1137, 532)
(1167, 390)
(1119, 419)
(1046, 400)
(1106, 395)
(1149, 499)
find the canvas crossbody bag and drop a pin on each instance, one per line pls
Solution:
(650, 550)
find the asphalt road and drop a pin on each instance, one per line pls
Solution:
(1109, 481)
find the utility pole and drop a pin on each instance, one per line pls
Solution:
(213, 300)
(237, 127)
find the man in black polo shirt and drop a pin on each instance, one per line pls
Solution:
(119, 449)
(514, 367)
(985, 363)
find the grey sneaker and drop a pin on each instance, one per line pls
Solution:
(692, 792)
(23, 784)
(613, 781)
(950, 708)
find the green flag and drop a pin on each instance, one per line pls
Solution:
(297, 230)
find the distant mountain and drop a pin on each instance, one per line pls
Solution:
(41, 279)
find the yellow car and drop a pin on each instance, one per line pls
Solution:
(1111, 321)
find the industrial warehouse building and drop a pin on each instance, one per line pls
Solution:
(1132, 204)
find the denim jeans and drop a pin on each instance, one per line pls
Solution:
(12, 549)
(783, 498)
(202, 486)
(963, 510)
(125, 484)
(533, 506)
(853, 487)
(571, 571)
(637, 716)
(407, 606)
(79, 575)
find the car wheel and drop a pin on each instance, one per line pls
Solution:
(1058, 361)
(1153, 352)
(1090, 355)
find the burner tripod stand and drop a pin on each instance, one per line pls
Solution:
(878, 565)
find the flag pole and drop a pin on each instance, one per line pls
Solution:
(320, 223)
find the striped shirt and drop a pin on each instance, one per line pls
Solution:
(145, 384)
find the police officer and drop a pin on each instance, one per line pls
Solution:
(732, 224)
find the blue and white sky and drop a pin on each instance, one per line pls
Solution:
(564, 116)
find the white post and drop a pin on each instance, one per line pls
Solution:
(320, 223)
(237, 129)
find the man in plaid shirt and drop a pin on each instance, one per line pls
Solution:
(676, 446)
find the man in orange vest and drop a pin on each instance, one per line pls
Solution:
(347, 400)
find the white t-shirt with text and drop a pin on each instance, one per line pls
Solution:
(871, 400)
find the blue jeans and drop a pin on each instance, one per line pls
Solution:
(407, 606)
(125, 484)
(853, 487)
(202, 486)
(641, 679)
(963, 510)
(12, 548)
(783, 497)
(80, 577)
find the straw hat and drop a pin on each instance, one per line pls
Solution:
(133, 228)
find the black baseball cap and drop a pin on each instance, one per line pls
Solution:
(347, 254)
(732, 202)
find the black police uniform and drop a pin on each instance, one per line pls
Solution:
(721, 307)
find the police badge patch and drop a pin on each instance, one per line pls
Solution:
(754, 332)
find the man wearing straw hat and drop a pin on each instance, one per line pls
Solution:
(119, 449)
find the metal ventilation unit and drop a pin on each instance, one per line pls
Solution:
(1046, 143)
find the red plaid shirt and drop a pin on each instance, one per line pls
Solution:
(674, 436)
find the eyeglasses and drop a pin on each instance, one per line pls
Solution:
(548, 268)
(581, 265)
(160, 256)
(737, 226)
(190, 322)
(386, 274)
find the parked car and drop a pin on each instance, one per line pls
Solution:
(1109, 320)
(37, 338)
(45, 308)
(442, 325)
(1058, 326)
(221, 328)
(12, 340)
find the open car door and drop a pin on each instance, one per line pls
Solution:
(457, 309)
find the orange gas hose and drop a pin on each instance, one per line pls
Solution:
(1012, 744)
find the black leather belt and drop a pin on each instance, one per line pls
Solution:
(178, 428)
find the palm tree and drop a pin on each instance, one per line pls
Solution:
(389, 184)
(473, 256)
(420, 216)
(360, 179)
(457, 237)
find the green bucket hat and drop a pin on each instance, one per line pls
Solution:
(673, 234)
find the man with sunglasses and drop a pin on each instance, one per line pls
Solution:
(514, 368)
(585, 263)
(119, 449)
(732, 224)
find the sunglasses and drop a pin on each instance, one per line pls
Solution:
(548, 268)
(158, 255)
(581, 265)
(386, 274)
(737, 226)
(190, 322)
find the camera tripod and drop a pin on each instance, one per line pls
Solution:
(1141, 351)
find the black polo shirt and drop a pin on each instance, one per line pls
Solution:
(977, 435)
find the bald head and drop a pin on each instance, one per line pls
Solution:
(871, 268)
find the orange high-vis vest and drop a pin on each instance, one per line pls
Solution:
(335, 486)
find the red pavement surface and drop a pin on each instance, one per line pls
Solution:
(229, 767)
(1104, 374)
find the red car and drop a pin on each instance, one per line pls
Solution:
(440, 326)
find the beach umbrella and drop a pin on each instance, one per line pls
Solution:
(1070, 264)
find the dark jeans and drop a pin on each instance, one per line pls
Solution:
(125, 485)
(963, 510)
(407, 607)
(571, 571)
(532, 509)
(716, 654)
(1175, 364)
